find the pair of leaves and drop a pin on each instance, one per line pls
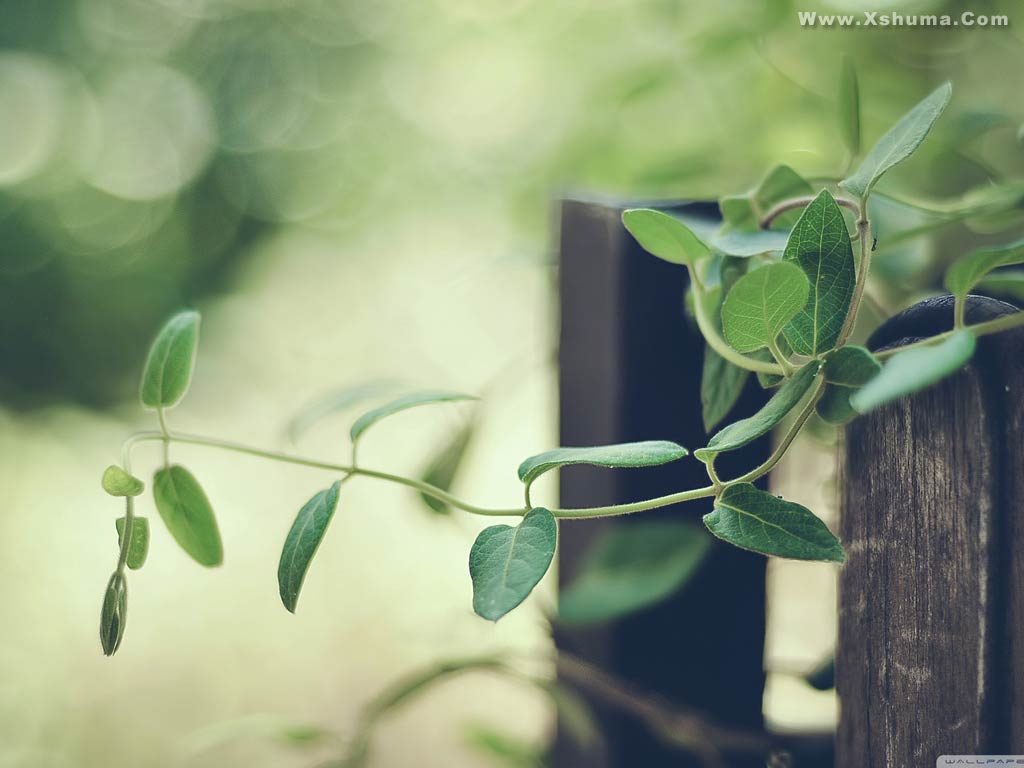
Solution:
(846, 370)
(646, 453)
(631, 567)
(752, 519)
(899, 142)
(972, 269)
(187, 513)
(915, 369)
(168, 369)
(744, 431)
(507, 562)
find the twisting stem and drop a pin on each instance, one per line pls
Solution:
(773, 346)
(800, 202)
(710, 333)
(865, 244)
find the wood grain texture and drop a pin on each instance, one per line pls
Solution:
(930, 654)
(630, 370)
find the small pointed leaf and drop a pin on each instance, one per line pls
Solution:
(761, 303)
(303, 541)
(117, 482)
(744, 212)
(742, 432)
(507, 562)
(915, 369)
(721, 384)
(665, 236)
(647, 453)
(113, 614)
(403, 403)
(753, 519)
(972, 269)
(139, 546)
(899, 142)
(188, 515)
(168, 370)
(631, 567)
(820, 246)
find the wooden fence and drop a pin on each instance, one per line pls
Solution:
(931, 656)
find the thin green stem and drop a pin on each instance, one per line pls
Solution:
(427, 488)
(865, 245)
(710, 332)
(713, 475)
(959, 310)
(1004, 323)
(799, 202)
(787, 439)
(165, 431)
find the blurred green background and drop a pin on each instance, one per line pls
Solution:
(354, 190)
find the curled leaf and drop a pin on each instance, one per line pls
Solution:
(138, 548)
(113, 614)
(117, 482)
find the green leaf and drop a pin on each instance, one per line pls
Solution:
(303, 541)
(631, 567)
(139, 546)
(849, 107)
(744, 244)
(744, 212)
(506, 563)
(336, 401)
(834, 406)
(899, 143)
(443, 468)
(761, 304)
(721, 384)
(753, 519)
(114, 614)
(647, 453)
(503, 748)
(168, 370)
(769, 380)
(117, 482)
(664, 236)
(820, 246)
(972, 269)
(188, 515)
(850, 366)
(915, 369)
(740, 433)
(403, 403)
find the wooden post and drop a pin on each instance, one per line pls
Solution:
(931, 655)
(630, 368)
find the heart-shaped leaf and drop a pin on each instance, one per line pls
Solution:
(188, 515)
(631, 567)
(139, 546)
(303, 541)
(899, 142)
(753, 519)
(117, 482)
(972, 269)
(820, 246)
(665, 236)
(915, 369)
(849, 107)
(761, 303)
(850, 366)
(744, 431)
(412, 400)
(647, 453)
(744, 212)
(168, 370)
(507, 562)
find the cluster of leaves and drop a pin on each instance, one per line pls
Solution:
(775, 292)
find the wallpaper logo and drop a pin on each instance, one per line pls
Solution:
(950, 760)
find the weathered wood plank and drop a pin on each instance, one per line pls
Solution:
(931, 502)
